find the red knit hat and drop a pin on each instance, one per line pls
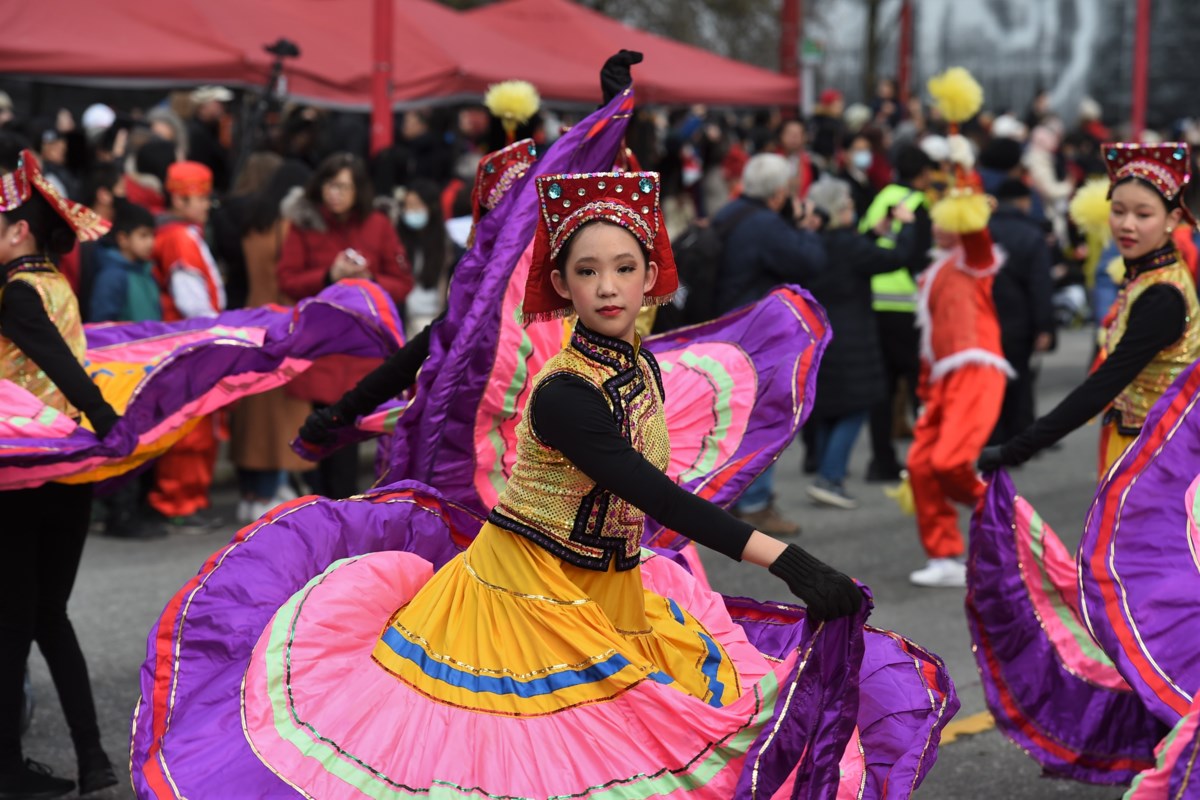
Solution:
(1166, 167)
(189, 179)
(568, 202)
(497, 173)
(17, 187)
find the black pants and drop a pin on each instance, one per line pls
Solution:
(43, 532)
(900, 344)
(1018, 411)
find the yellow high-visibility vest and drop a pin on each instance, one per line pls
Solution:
(892, 291)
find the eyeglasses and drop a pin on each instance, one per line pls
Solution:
(339, 186)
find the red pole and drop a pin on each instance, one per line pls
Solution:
(1141, 66)
(381, 76)
(789, 37)
(904, 71)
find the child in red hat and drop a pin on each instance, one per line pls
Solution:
(191, 286)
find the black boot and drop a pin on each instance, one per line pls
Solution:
(95, 770)
(32, 781)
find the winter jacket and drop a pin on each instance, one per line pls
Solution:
(1024, 289)
(123, 291)
(315, 239)
(313, 242)
(851, 375)
(762, 251)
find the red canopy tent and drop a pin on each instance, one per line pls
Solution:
(672, 72)
(438, 53)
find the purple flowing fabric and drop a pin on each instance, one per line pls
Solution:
(1139, 568)
(1049, 688)
(186, 724)
(175, 372)
(905, 698)
(1176, 774)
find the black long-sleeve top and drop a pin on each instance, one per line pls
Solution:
(23, 320)
(571, 415)
(397, 373)
(1157, 319)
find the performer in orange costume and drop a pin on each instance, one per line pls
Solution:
(963, 371)
(191, 287)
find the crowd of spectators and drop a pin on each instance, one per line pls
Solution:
(836, 201)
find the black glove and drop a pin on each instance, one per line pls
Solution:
(992, 459)
(615, 75)
(319, 427)
(828, 593)
(104, 420)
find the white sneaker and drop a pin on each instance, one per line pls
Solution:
(285, 493)
(947, 572)
(259, 508)
(243, 512)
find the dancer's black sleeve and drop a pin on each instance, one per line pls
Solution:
(1157, 319)
(571, 415)
(397, 373)
(23, 319)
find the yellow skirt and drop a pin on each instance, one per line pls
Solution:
(508, 628)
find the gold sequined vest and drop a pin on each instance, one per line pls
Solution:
(63, 310)
(1134, 402)
(551, 502)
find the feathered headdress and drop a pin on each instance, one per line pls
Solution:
(1090, 207)
(513, 103)
(965, 209)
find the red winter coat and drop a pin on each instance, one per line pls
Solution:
(313, 242)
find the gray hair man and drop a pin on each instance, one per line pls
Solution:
(768, 241)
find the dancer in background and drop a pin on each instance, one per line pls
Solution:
(41, 350)
(1153, 331)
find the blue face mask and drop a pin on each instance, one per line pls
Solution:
(416, 219)
(862, 159)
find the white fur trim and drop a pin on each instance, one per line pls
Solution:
(974, 355)
(924, 284)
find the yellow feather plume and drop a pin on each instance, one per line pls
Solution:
(1090, 207)
(957, 94)
(903, 495)
(961, 213)
(514, 102)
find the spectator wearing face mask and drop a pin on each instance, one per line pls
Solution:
(422, 231)
(857, 159)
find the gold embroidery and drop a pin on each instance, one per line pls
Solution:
(1135, 400)
(548, 500)
(63, 310)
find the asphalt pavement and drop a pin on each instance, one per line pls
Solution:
(123, 586)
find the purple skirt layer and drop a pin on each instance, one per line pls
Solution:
(1049, 688)
(1139, 568)
(1176, 774)
(183, 370)
(187, 723)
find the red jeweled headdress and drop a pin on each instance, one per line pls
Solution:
(498, 172)
(568, 202)
(17, 187)
(1166, 167)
